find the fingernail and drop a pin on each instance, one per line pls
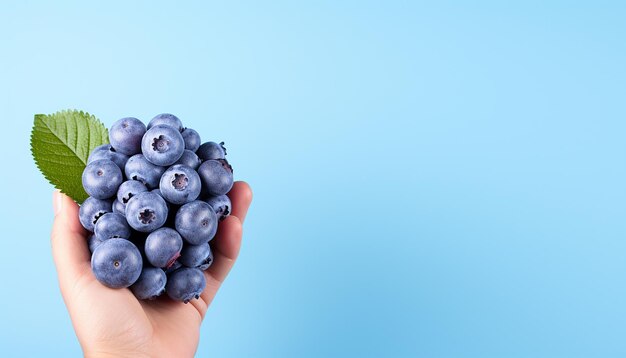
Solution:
(57, 202)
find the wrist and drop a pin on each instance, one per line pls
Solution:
(108, 354)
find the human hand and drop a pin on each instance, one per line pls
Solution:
(112, 322)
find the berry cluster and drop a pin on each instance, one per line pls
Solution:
(156, 196)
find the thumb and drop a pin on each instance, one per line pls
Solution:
(69, 242)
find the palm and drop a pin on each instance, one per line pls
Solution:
(114, 321)
(136, 326)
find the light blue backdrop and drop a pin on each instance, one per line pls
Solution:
(433, 180)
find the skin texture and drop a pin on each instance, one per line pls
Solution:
(113, 322)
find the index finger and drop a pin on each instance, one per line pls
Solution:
(241, 197)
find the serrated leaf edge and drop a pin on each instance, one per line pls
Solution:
(39, 116)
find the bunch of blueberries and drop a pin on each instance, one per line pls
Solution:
(156, 196)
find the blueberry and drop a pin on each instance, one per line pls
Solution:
(175, 266)
(216, 176)
(150, 284)
(221, 204)
(125, 135)
(93, 242)
(162, 145)
(199, 256)
(128, 189)
(146, 211)
(163, 247)
(180, 184)
(207, 262)
(105, 151)
(110, 226)
(91, 210)
(189, 159)
(139, 168)
(211, 150)
(101, 178)
(166, 119)
(185, 284)
(196, 222)
(118, 207)
(116, 263)
(191, 138)
(171, 209)
(157, 191)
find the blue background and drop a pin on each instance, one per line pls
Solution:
(434, 180)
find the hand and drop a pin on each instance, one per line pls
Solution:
(112, 322)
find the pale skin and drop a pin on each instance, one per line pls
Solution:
(112, 322)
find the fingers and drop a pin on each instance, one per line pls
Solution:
(241, 197)
(227, 243)
(69, 245)
(225, 248)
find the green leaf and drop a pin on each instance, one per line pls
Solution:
(61, 143)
